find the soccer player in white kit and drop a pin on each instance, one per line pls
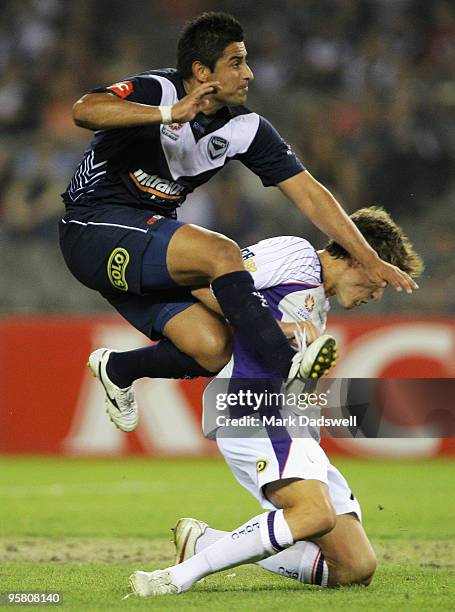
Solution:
(311, 530)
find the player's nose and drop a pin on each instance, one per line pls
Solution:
(248, 73)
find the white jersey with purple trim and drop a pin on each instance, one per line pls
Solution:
(287, 271)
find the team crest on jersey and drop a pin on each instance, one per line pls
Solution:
(217, 147)
(261, 464)
(116, 268)
(309, 303)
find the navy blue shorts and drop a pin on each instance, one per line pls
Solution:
(121, 252)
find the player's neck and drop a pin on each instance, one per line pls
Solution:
(328, 265)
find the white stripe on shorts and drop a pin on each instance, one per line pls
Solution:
(138, 229)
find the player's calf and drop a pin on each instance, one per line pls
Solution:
(203, 335)
(212, 350)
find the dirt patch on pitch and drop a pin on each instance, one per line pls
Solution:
(92, 550)
(427, 553)
(432, 553)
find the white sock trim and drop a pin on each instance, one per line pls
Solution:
(278, 532)
(314, 569)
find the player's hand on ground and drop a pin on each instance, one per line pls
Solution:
(382, 273)
(188, 107)
(311, 331)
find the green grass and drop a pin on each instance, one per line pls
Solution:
(81, 526)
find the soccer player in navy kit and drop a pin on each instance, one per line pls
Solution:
(158, 135)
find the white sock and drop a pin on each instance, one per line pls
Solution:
(209, 537)
(303, 561)
(300, 562)
(263, 535)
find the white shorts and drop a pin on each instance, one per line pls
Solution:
(256, 462)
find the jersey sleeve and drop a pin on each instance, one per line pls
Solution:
(142, 89)
(270, 157)
(281, 261)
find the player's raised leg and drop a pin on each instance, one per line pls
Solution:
(197, 343)
(197, 256)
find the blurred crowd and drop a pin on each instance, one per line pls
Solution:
(363, 90)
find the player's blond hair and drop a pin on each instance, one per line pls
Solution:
(386, 237)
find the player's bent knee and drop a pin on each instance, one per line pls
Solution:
(226, 256)
(307, 506)
(359, 571)
(318, 519)
(366, 570)
(326, 521)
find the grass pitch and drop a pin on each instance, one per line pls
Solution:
(81, 527)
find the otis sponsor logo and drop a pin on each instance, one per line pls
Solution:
(158, 188)
(116, 268)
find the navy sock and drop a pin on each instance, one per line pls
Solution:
(252, 320)
(162, 360)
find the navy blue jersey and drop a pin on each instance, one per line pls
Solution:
(155, 167)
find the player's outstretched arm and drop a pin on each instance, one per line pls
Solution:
(105, 111)
(326, 213)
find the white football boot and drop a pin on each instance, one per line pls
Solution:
(315, 360)
(158, 582)
(120, 403)
(186, 534)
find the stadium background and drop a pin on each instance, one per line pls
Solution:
(364, 91)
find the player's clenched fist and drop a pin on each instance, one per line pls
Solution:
(195, 102)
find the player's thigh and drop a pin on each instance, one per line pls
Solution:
(348, 552)
(195, 256)
(202, 334)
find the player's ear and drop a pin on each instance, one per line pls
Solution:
(201, 72)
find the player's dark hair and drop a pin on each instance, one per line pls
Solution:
(204, 39)
(386, 237)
